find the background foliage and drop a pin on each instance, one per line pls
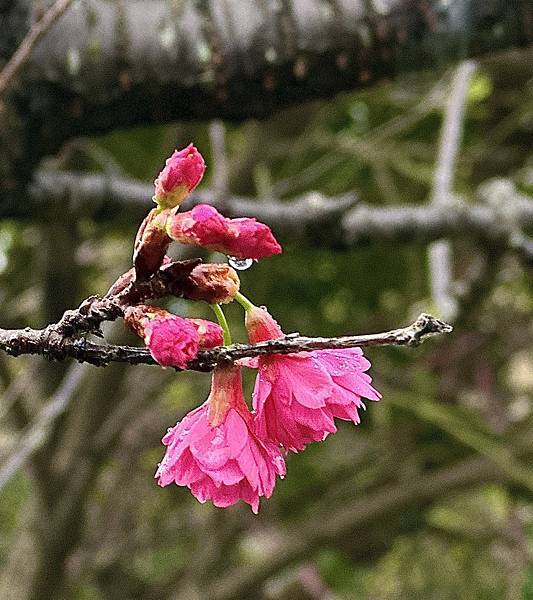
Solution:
(430, 497)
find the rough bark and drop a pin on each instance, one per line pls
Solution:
(53, 344)
(119, 64)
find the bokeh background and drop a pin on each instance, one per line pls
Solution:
(430, 496)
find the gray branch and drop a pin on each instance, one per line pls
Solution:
(109, 65)
(118, 64)
(440, 252)
(35, 435)
(337, 222)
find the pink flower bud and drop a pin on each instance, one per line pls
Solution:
(172, 341)
(261, 326)
(205, 226)
(212, 283)
(183, 171)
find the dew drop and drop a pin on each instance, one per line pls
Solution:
(241, 264)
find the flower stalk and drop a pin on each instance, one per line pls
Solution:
(244, 301)
(222, 321)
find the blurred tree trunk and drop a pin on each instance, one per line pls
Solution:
(98, 69)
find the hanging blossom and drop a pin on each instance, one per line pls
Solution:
(204, 226)
(298, 396)
(172, 340)
(215, 451)
(183, 171)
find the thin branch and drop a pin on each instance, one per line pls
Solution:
(427, 223)
(451, 133)
(35, 435)
(333, 221)
(23, 52)
(31, 341)
(101, 196)
(440, 251)
(244, 581)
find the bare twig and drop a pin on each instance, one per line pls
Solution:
(243, 582)
(440, 251)
(32, 341)
(427, 223)
(23, 52)
(99, 196)
(451, 133)
(37, 432)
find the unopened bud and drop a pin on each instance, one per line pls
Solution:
(171, 339)
(212, 283)
(183, 171)
(261, 325)
(151, 245)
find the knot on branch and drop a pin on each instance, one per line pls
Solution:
(426, 325)
(88, 317)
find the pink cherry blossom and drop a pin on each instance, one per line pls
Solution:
(172, 340)
(183, 171)
(298, 396)
(215, 452)
(205, 226)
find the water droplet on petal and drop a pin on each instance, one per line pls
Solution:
(241, 264)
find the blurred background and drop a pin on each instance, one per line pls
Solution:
(409, 191)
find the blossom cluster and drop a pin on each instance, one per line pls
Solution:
(223, 451)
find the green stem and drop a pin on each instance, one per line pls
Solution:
(244, 302)
(221, 318)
